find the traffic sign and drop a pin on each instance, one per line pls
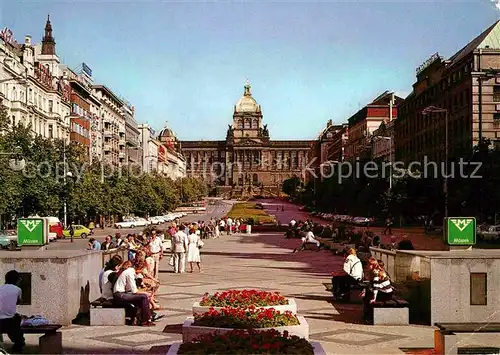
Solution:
(30, 231)
(460, 230)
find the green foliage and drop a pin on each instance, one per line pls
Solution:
(91, 190)
(292, 186)
(250, 213)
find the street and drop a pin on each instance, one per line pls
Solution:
(220, 209)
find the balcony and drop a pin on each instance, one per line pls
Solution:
(108, 134)
(107, 148)
(18, 106)
(122, 155)
(122, 142)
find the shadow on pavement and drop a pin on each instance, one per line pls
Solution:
(173, 329)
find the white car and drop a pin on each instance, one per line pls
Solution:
(160, 219)
(132, 223)
(154, 220)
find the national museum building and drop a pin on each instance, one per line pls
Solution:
(247, 161)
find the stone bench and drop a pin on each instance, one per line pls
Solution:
(445, 339)
(354, 292)
(51, 340)
(106, 312)
(393, 312)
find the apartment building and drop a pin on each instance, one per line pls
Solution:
(464, 91)
(113, 121)
(32, 86)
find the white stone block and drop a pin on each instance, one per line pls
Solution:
(107, 316)
(391, 316)
(291, 306)
(318, 349)
(191, 332)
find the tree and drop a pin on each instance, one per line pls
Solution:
(291, 186)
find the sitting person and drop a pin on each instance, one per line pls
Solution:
(351, 275)
(115, 260)
(308, 239)
(146, 283)
(405, 244)
(125, 291)
(380, 288)
(10, 320)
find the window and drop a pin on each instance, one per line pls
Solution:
(478, 289)
(51, 131)
(51, 106)
(25, 286)
(496, 93)
(496, 117)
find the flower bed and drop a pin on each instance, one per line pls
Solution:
(246, 342)
(245, 299)
(245, 318)
(250, 211)
(190, 330)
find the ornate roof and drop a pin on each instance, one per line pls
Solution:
(247, 103)
(166, 132)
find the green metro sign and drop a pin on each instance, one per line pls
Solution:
(460, 230)
(30, 231)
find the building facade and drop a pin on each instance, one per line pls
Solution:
(463, 90)
(32, 86)
(366, 121)
(133, 147)
(247, 161)
(113, 126)
(172, 162)
(149, 148)
(383, 147)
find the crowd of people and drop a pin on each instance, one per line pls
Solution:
(133, 283)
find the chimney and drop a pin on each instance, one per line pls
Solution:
(27, 41)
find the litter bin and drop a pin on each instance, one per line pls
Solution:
(249, 228)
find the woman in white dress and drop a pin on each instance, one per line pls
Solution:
(193, 255)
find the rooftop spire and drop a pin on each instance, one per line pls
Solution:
(247, 88)
(48, 42)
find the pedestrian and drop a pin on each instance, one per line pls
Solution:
(229, 226)
(179, 247)
(156, 248)
(194, 245)
(388, 226)
(10, 320)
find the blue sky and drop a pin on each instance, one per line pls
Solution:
(186, 62)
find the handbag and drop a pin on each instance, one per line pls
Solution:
(171, 260)
(200, 244)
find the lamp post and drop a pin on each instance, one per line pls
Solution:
(427, 111)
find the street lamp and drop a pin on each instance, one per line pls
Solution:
(427, 111)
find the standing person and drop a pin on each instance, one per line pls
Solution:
(156, 248)
(125, 291)
(222, 225)
(10, 320)
(388, 226)
(193, 255)
(71, 231)
(229, 226)
(217, 230)
(179, 247)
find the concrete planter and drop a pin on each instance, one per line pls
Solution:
(291, 306)
(191, 332)
(318, 349)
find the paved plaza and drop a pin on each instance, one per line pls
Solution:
(266, 262)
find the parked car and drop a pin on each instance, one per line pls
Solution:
(488, 233)
(154, 221)
(132, 223)
(8, 238)
(80, 231)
